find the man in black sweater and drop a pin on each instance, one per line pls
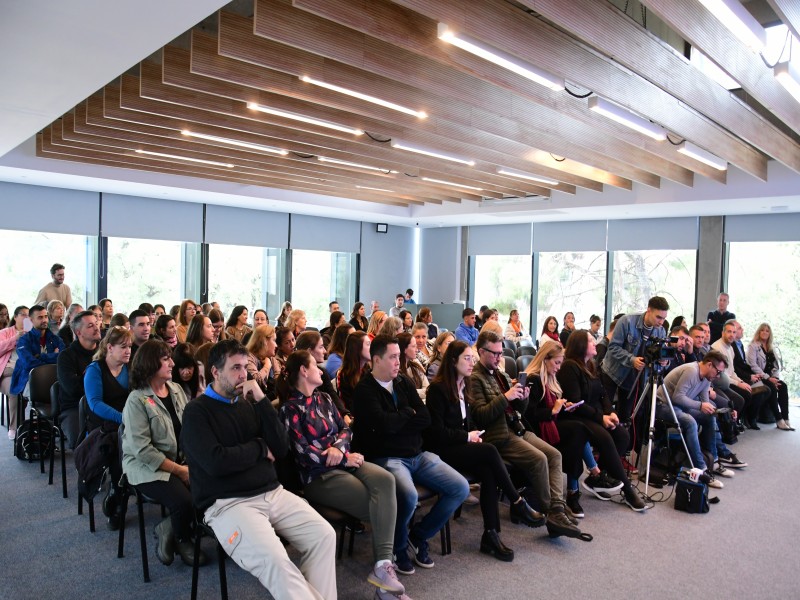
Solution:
(716, 318)
(389, 418)
(231, 440)
(71, 366)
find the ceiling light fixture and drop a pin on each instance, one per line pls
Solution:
(296, 117)
(214, 138)
(703, 156)
(400, 145)
(739, 21)
(625, 117)
(500, 58)
(364, 187)
(788, 77)
(522, 175)
(197, 160)
(460, 185)
(420, 114)
(336, 161)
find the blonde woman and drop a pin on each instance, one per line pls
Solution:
(762, 361)
(376, 321)
(443, 340)
(296, 323)
(261, 355)
(55, 315)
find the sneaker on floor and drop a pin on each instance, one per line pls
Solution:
(732, 461)
(628, 466)
(634, 501)
(382, 595)
(711, 481)
(403, 564)
(722, 471)
(607, 481)
(595, 486)
(471, 500)
(385, 578)
(12, 434)
(573, 503)
(420, 549)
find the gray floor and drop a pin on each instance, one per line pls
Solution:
(746, 547)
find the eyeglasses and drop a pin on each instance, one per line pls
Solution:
(495, 354)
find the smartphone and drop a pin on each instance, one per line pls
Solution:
(522, 379)
(574, 406)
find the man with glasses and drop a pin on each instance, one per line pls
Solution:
(496, 405)
(687, 386)
(56, 289)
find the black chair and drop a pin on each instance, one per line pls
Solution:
(40, 380)
(523, 362)
(424, 494)
(526, 351)
(510, 353)
(83, 415)
(55, 410)
(526, 343)
(509, 345)
(200, 530)
(510, 366)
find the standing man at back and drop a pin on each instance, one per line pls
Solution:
(718, 318)
(56, 289)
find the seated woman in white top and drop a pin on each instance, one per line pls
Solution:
(514, 330)
(409, 365)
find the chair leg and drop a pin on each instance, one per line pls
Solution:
(443, 540)
(63, 467)
(3, 405)
(340, 542)
(123, 514)
(352, 539)
(142, 540)
(447, 537)
(53, 432)
(223, 577)
(90, 502)
(196, 562)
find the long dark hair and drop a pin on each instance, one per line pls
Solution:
(339, 339)
(410, 368)
(287, 381)
(575, 351)
(161, 324)
(235, 314)
(184, 358)
(447, 375)
(350, 372)
(194, 335)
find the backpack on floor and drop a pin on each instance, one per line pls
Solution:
(26, 440)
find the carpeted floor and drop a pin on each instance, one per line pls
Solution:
(746, 547)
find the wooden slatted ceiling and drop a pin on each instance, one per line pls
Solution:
(789, 13)
(390, 49)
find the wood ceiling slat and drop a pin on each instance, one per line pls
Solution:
(445, 72)
(176, 72)
(789, 13)
(703, 30)
(289, 26)
(49, 149)
(541, 44)
(181, 106)
(143, 110)
(206, 62)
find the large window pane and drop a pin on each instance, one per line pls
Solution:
(28, 258)
(144, 271)
(504, 282)
(571, 282)
(319, 277)
(640, 275)
(763, 277)
(235, 276)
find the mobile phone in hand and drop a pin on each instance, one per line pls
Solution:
(522, 379)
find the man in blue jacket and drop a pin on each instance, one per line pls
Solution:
(466, 331)
(39, 346)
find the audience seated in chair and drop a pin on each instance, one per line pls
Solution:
(9, 338)
(236, 327)
(336, 348)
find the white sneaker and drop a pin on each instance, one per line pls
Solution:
(721, 471)
(12, 434)
(713, 482)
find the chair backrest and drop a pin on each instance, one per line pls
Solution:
(510, 366)
(510, 345)
(526, 343)
(83, 418)
(527, 351)
(41, 380)
(510, 353)
(55, 398)
(523, 362)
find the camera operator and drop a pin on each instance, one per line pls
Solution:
(679, 348)
(624, 360)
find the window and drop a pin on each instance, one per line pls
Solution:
(248, 275)
(144, 271)
(23, 276)
(503, 282)
(640, 275)
(571, 281)
(319, 277)
(762, 278)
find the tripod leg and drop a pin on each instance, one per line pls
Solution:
(680, 431)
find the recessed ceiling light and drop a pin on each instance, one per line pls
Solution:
(459, 185)
(364, 187)
(298, 117)
(248, 145)
(346, 163)
(420, 114)
(428, 152)
(523, 175)
(197, 160)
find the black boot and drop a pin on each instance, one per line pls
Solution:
(521, 512)
(558, 524)
(165, 548)
(186, 551)
(492, 544)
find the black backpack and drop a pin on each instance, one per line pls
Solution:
(26, 440)
(93, 457)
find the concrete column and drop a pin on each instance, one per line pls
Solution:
(710, 265)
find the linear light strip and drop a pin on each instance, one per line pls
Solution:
(459, 185)
(697, 153)
(625, 117)
(420, 114)
(739, 21)
(374, 189)
(400, 145)
(346, 163)
(197, 160)
(789, 78)
(500, 58)
(297, 117)
(214, 138)
(522, 175)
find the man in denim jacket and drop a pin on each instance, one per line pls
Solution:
(39, 346)
(623, 361)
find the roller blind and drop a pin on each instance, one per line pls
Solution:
(500, 239)
(763, 228)
(577, 236)
(653, 234)
(151, 218)
(53, 210)
(318, 233)
(246, 227)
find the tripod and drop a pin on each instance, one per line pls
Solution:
(655, 380)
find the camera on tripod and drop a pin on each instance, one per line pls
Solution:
(658, 349)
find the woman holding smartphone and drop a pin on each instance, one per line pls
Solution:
(454, 437)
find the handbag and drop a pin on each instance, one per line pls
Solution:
(690, 496)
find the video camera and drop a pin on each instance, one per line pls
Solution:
(658, 349)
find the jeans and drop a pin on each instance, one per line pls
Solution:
(689, 420)
(428, 470)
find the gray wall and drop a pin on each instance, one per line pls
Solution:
(440, 249)
(387, 264)
(709, 265)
